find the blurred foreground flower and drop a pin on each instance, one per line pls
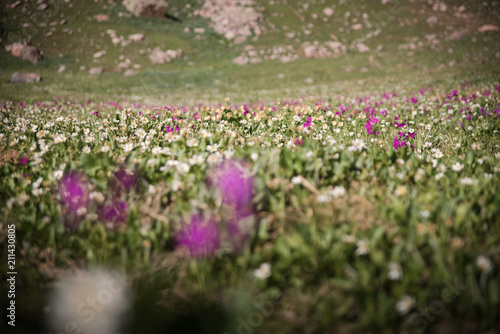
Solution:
(74, 197)
(395, 271)
(89, 303)
(235, 184)
(114, 213)
(201, 237)
(124, 181)
(263, 272)
(483, 263)
(405, 304)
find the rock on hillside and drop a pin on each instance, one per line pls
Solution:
(26, 77)
(146, 8)
(231, 17)
(25, 52)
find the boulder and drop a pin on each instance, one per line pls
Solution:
(241, 60)
(146, 8)
(457, 35)
(137, 37)
(31, 54)
(157, 56)
(99, 54)
(26, 77)
(174, 54)
(232, 16)
(488, 27)
(362, 48)
(101, 18)
(129, 73)
(15, 48)
(328, 11)
(96, 70)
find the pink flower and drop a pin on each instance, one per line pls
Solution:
(235, 183)
(114, 213)
(201, 237)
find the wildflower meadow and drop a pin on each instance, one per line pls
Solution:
(249, 166)
(376, 212)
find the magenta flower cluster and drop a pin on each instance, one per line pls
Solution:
(202, 236)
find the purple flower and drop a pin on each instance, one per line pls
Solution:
(308, 123)
(114, 213)
(124, 181)
(201, 237)
(23, 160)
(73, 191)
(235, 184)
(74, 194)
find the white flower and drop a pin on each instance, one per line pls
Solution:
(424, 214)
(296, 180)
(81, 211)
(263, 272)
(151, 189)
(157, 150)
(97, 196)
(457, 167)
(36, 192)
(214, 158)
(405, 304)
(88, 139)
(400, 191)
(104, 148)
(176, 185)
(466, 181)
(228, 154)
(183, 167)
(395, 271)
(128, 147)
(58, 174)
(254, 156)
(22, 198)
(483, 263)
(358, 144)
(195, 160)
(140, 133)
(363, 248)
(59, 139)
(438, 154)
(310, 155)
(323, 198)
(338, 191)
(419, 175)
(86, 149)
(212, 148)
(204, 134)
(192, 142)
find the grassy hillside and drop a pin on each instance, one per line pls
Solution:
(402, 49)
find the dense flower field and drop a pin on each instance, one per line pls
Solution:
(377, 211)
